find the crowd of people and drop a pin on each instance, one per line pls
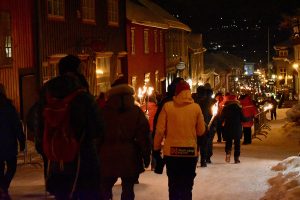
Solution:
(87, 143)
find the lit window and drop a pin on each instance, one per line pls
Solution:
(155, 41)
(88, 10)
(146, 41)
(56, 9)
(113, 12)
(5, 39)
(102, 73)
(132, 41)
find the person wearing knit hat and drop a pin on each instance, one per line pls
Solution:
(182, 86)
(232, 118)
(179, 123)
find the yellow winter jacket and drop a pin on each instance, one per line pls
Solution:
(179, 123)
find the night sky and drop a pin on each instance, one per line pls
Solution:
(238, 27)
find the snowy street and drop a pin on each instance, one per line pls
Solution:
(245, 181)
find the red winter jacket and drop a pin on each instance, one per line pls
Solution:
(249, 110)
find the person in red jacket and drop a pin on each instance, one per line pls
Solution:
(249, 110)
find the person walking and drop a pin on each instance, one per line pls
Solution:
(126, 148)
(158, 165)
(219, 128)
(79, 177)
(203, 98)
(179, 123)
(274, 108)
(249, 110)
(11, 133)
(232, 118)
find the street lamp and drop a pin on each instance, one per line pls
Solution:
(296, 67)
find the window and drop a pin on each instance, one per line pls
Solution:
(113, 12)
(157, 89)
(5, 39)
(155, 41)
(161, 42)
(147, 79)
(103, 61)
(146, 41)
(50, 67)
(282, 72)
(88, 10)
(132, 41)
(283, 53)
(134, 83)
(56, 9)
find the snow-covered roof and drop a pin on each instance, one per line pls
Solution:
(148, 13)
(139, 14)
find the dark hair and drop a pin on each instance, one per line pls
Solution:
(69, 63)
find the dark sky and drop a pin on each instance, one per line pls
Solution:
(251, 18)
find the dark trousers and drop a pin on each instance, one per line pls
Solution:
(237, 147)
(247, 135)
(7, 176)
(202, 143)
(273, 114)
(219, 129)
(107, 184)
(210, 139)
(181, 174)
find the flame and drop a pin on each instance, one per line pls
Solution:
(214, 109)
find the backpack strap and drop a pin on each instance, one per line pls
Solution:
(72, 95)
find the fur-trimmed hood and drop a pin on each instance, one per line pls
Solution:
(120, 97)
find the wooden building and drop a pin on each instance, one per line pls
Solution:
(34, 35)
(17, 51)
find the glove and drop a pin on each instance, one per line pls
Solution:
(159, 162)
(146, 161)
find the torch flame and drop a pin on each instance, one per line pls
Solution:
(214, 109)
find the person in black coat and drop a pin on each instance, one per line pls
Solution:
(87, 122)
(11, 133)
(232, 118)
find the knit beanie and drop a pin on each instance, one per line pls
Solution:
(183, 85)
(69, 63)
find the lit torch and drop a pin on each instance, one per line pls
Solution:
(214, 110)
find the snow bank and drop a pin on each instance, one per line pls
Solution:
(286, 184)
(293, 114)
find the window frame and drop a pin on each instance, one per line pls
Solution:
(52, 15)
(88, 11)
(113, 13)
(146, 41)
(6, 39)
(132, 40)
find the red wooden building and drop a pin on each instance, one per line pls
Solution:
(145, 45)
(17, 50)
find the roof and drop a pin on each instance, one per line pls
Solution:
(148, 13)
(139, 14)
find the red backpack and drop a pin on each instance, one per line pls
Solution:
(59, 142)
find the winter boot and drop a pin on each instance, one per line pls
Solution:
(236, 160)
(203, 163)
(227, 158)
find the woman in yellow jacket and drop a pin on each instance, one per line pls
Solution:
(179, 123)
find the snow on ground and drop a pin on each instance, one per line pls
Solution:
(268, 170)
